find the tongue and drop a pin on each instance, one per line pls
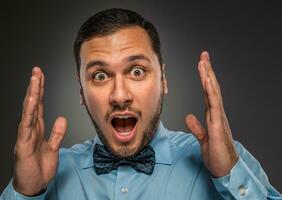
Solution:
(124, 125)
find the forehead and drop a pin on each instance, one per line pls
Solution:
(117, 46)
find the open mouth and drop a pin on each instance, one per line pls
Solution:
(124, 125)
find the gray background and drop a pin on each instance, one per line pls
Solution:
(244, 41)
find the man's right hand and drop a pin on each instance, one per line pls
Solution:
(36, 159)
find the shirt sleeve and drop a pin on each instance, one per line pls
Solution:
(10, 194)
(247, 180)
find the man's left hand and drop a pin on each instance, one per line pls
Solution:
(218, 150)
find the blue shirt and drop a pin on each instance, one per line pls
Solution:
(179, 174)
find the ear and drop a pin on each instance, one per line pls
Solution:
(164, 79)
(81, 101)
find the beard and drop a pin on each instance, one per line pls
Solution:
(147, 135)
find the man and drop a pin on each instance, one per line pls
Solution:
(122, 79)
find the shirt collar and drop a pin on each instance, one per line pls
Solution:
(160, 144)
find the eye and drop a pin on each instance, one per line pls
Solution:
(100, 76)
(137, 72)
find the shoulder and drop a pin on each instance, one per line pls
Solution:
(77, 149)
(180, 139)
(184, 145)
(77, 154)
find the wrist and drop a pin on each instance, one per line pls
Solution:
(27, 191)
(224, 171)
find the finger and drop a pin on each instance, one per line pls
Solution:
(33, 93)
(214, 102)
(203, 75)
(40, 109)
(202, 72)
(210, 72)
(206, 59)
(196, 128)
(58, 133)
(35, 119)
(31, 100)
(205, 55)
(41, 97)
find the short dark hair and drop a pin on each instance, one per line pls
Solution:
(109, 21)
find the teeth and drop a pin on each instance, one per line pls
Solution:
(124, 133)
(122, 117)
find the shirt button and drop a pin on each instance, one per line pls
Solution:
(242, 191)
(124, 190)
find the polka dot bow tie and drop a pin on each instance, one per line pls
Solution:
(105, 161)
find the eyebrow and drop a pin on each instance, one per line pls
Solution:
(101, 63)
(137, 57)
(98, 63)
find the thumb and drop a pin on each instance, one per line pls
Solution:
(196, 127)
(58, 133)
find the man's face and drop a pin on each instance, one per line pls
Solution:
(122, 88)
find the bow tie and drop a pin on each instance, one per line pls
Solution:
(105, 161)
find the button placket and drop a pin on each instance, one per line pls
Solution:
(123, 183)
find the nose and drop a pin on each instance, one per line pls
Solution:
(121, 96)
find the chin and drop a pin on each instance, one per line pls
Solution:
(126, 150)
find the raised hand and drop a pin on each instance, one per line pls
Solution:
(218, 151)
(36, 159)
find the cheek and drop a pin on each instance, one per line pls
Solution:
(148, 94)
(96, 102)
